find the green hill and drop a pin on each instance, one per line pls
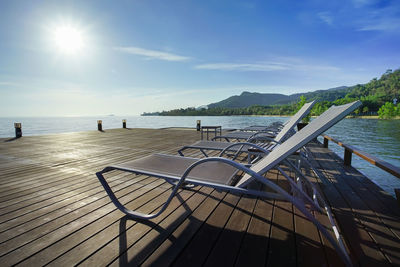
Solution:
(247, 99)
(323, 95)
(373, 94)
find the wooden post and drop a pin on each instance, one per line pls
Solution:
(99, 125)
(198, 125)
(18, 129)
(347, 157)
(124, 124)
(326, 141)
(397, 192)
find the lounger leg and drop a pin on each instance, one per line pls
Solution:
(184, 185)
(338, 243)
(204, 153)
(121, 207)
(180, 151)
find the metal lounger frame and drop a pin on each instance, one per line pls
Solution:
(255, 172)
(298, 199)
(280, 136)
(243, 147)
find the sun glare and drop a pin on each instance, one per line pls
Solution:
(68, 39)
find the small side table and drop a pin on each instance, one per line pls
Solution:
(210, 129)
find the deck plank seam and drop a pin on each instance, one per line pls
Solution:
(113, 209)
(55, 202)
(127, 184)
(86, 214)
(350, 208)
(182, 217)
(105, 229)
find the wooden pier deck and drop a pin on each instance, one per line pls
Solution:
(53, 210)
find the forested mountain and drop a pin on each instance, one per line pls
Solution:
(323, 95)
(247, 99)
(373, 95)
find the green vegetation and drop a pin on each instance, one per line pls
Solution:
(376, 96)
(301, 103)
(389, 111)
(247, 99)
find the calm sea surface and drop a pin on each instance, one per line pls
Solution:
(379, 138)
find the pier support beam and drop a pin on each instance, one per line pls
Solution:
(326, 142)
(347, 157)
(198, 124)
(397, 192)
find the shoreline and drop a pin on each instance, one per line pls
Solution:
(374, 117)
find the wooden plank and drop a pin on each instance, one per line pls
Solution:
(198, 249)
(229, 241)
(254, 248)
(22, 227)
(309, 249)
(173, 245)
(331, 254)
(151, 239)
(363, 247)
(108, 241)
(99, 233)
(282, 250)
(54, 210)
(368, 210)
(63, 227)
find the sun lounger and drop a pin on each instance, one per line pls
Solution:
(274, 127)
(292, 122)
(231, 149)
(221, 173)
(250, 137)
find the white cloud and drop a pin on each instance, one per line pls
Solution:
(8, 84)
(243, 66)
(266, 66)
(362, 3)
(384, 19)
(151, 54)
(326, 17)
(381, 24)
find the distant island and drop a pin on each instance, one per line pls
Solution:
(377, 97)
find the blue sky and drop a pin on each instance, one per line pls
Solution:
(141, 56)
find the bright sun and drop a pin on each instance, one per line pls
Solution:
(68, 39)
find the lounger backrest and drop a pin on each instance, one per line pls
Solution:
(301, 138)
(292, 122)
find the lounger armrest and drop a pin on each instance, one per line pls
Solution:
(220, 137)
(263, 138)
(250, 172)
(242, 144)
